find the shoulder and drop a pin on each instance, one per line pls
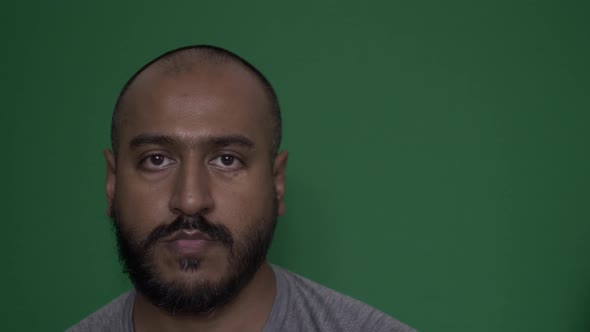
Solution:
(115, 316)
(306, 305)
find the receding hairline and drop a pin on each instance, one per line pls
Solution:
(186, 59)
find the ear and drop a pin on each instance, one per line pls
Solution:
(110, 180)
(279, 174)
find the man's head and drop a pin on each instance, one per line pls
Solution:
(195, 183)
(184, 59)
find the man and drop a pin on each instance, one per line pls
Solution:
(194, 186)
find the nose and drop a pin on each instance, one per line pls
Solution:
(191, 192)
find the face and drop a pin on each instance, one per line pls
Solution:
(194, 191)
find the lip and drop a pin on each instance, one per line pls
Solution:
(192, 234)
(189, 241)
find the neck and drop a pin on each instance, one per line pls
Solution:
(248, 311)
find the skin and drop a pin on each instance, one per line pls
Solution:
(230, 184)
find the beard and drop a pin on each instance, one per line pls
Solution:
(245, 256)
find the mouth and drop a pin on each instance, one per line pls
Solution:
(189, 234)
(189, 241)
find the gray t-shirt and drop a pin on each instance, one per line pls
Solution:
(300, 305)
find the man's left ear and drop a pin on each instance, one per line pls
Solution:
(279, 174)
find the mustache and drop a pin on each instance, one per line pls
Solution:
(197, 222)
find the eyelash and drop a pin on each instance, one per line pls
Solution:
(156, 168)
(235, 159)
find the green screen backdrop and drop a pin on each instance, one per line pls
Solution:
(439, 165)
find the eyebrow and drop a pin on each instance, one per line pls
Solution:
(228, 140)
(216, 141)
(147, 139)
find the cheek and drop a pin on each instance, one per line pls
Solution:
(241, 205)
(141, 206)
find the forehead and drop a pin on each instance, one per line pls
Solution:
(205, 100)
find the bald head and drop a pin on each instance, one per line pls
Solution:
(193, 59)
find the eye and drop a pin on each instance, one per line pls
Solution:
(227, 162)
(156, 162)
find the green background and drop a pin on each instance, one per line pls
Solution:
(439, 165)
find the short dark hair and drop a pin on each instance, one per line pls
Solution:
(211, 54)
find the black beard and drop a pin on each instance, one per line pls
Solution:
(244, 259)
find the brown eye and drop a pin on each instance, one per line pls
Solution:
(227, 162)
(156, 162)
(157, 159)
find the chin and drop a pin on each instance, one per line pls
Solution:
(190, 289)
(190, 271)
